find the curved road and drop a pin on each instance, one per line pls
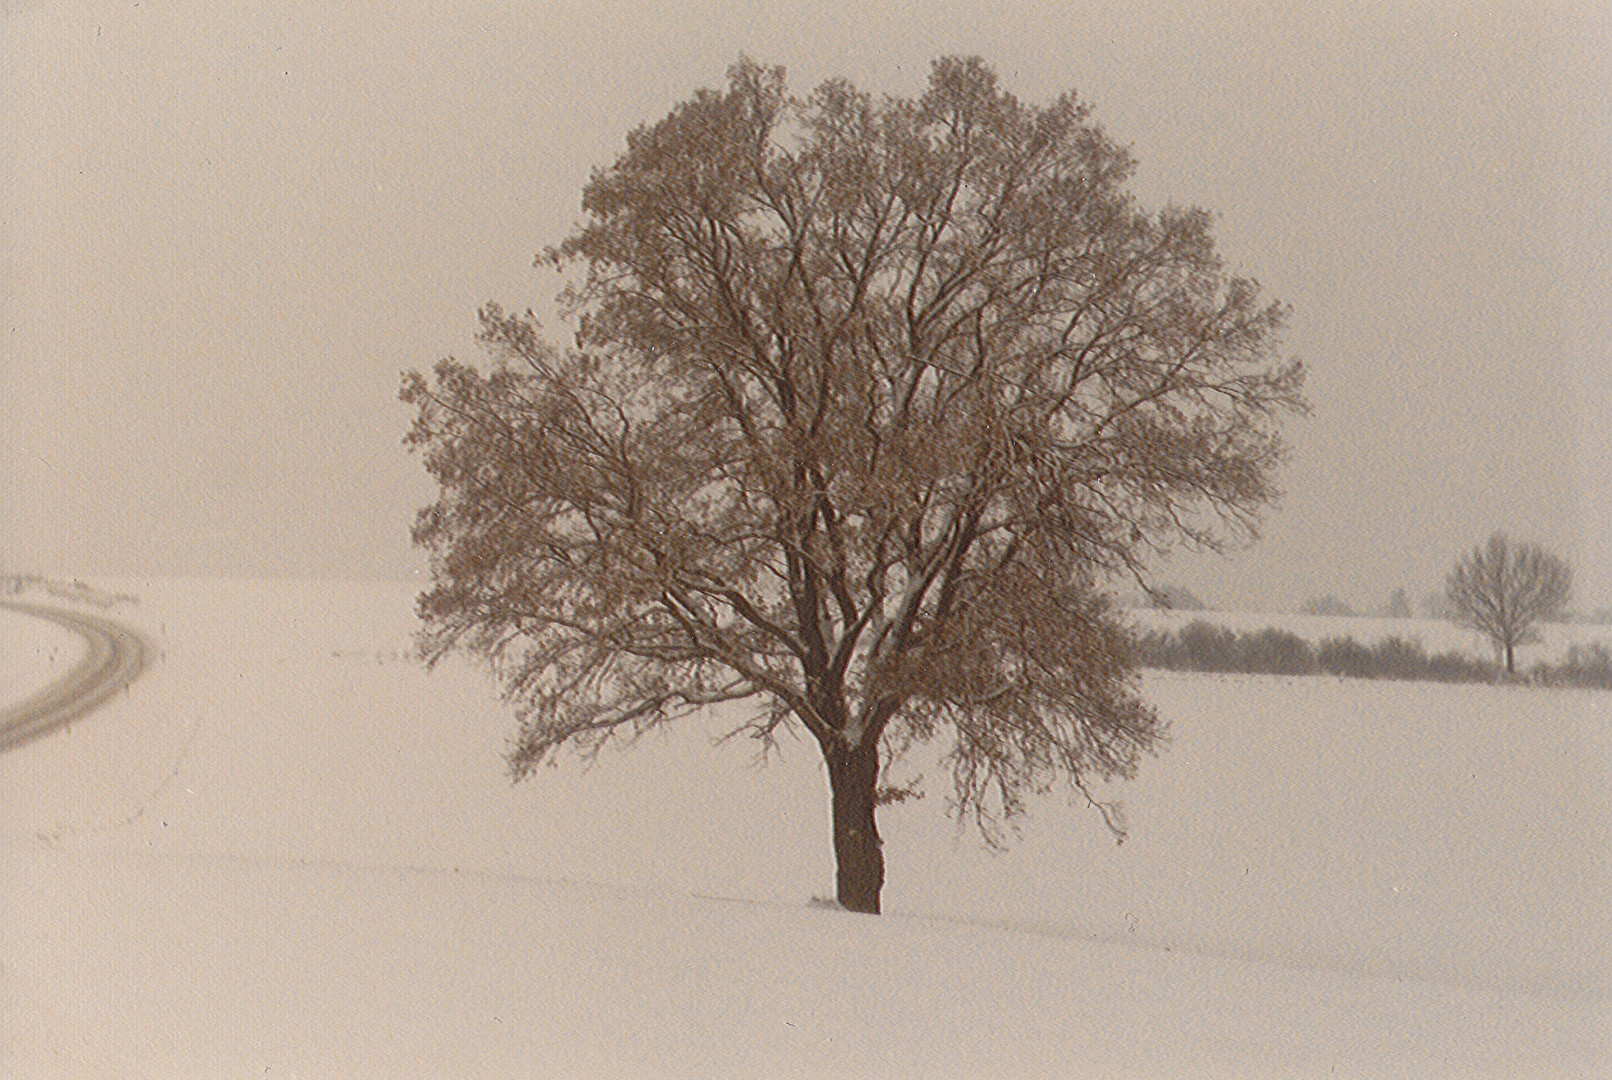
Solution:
(115, 658)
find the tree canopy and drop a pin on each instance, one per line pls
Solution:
(1502, 591)
(870, 402)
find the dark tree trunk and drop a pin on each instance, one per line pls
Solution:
(853, 776)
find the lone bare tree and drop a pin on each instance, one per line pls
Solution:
(869, 400)
(1502, 591)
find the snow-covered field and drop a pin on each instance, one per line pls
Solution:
(288, 851)
(32, 655)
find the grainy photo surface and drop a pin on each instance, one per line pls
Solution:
(831, 540)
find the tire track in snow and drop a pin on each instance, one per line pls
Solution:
(115, 658)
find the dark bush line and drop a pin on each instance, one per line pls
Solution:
(1202, 646)
(1588, 667)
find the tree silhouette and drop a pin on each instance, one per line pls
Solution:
(869, 400)
(1503, 591)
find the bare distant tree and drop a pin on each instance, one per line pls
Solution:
(1399, 606)
(869, 396)
(1502, 591)
(1328, 605)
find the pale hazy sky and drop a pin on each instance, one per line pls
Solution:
(227, 228)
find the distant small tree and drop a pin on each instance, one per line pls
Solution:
(869, 399)
(1502, 591)
(1326, 605)
(1399, 606)
(1399, 658)
(1207, 647)
(1277, 652)
(1347, 657)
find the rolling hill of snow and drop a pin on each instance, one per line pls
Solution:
(288, 850)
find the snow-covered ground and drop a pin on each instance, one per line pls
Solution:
(289, 851)
(33, 654)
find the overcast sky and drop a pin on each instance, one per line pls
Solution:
(228, 228)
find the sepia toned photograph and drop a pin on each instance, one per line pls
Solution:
(859, 540)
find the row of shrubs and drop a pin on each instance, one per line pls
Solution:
(1203, 646)
(1588, 666)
